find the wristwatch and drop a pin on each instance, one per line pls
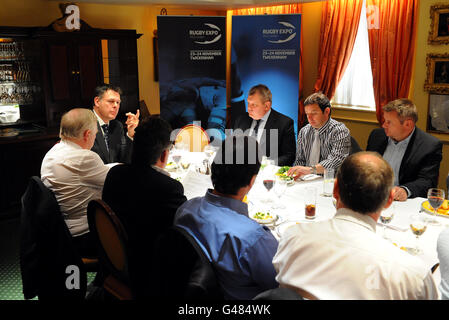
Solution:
(313, 170)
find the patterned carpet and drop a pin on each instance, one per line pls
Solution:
(10, 278)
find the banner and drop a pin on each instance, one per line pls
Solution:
(192, 71)
(265, 50)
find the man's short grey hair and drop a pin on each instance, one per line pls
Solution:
(405, 108)
(75, 122)
(264, 92)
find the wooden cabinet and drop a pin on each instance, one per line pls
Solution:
(75, 63)
(19, 160)
(72, 68)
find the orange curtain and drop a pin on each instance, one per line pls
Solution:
(339, 23)
(392, 35)
(283, 9)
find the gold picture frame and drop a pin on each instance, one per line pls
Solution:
(437, 80)
(438, 113)
(439, 26)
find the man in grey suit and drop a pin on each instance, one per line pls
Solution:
(111, 143)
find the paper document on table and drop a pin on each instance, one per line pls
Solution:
(113, 164)
(309, 177)
(196, 184)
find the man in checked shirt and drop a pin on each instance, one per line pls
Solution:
(322, 144)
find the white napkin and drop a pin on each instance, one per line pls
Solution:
(309, 177)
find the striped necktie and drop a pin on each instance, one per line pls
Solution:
(314, 157)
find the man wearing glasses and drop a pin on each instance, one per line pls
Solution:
(111, 143)
(145, 198)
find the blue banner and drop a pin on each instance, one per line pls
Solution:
(265, 50)
(192, 70)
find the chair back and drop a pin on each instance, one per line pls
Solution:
(280, 293)
(46, 248)
(184, 271)
(194, 136)
(354, 146)
(112, 241)
(144, 112)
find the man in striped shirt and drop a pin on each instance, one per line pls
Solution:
(322, 144)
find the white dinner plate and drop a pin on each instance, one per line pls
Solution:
(274, 218)
(280, 229)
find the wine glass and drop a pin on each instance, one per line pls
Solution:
(385, 217)
(209, 151)
(436, 198)
(268, 183)
(418, 225)
(279, 188)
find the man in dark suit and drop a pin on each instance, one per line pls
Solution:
(111, 143)
(144, 197)
(414, 155)
(273, 130)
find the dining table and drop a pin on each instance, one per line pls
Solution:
(288, 207)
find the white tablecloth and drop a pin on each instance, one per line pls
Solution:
(196, 184)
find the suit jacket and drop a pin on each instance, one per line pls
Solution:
(46, 247)
(420, 165)
(145, 201)
(286, 136)
(120, 146)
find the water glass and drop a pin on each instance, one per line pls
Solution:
(328, 183)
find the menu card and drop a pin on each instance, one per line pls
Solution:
(196, 184)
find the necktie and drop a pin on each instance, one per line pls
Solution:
(256, 128)
(106, 135)
(314, 157)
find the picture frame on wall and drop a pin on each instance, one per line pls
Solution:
(437, 80)
(439, 26)
(438, 113)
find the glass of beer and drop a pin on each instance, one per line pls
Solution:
(310, 202)
(418, 225)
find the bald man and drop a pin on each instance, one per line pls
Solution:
(344, 257)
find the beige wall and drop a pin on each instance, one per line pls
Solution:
(142, 18)
(421, 97)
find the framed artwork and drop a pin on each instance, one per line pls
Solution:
(439, 26)
(437, 80)
(438, 113)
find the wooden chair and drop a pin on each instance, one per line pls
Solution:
(144, 112)
(112, 243)
(194, 136)
(184, 271)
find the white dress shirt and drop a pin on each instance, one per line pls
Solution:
(443, 256)
(261, 126)
(101, 123)
(76, 176)
(343, 258)
(394, 153)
